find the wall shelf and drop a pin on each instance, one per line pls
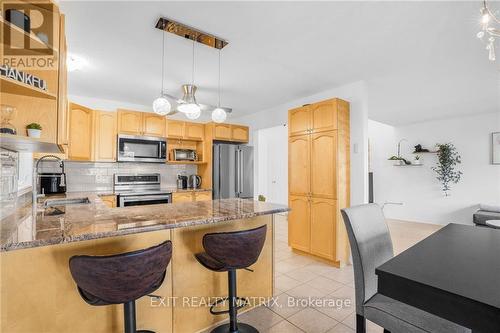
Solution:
(26, 144)
(408, 165)
(186, 162)
(425, 152)
(18, 88)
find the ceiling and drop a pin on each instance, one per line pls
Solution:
(420, 60)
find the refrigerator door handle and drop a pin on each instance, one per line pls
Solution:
(240, 153)
(237, 173)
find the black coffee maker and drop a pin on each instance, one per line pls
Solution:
(182, 182)
(51, 182)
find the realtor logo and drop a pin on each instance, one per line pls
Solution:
(28, 29)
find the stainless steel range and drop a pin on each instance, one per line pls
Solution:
(140, 189)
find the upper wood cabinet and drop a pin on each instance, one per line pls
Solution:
(105, 136)
(316, 117)
(228, 132)
(194, 131)
(62, 100)
(175, 129)
(153, 125)
(222, 132)
(239, 133)
(130, 122)
(324, 164)
(81, 121)
(299, 166)
(299, 121)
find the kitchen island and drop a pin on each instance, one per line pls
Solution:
(39, 295)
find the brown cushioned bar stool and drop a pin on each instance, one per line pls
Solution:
(121, 278)
(227, 252)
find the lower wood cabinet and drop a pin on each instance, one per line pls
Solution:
(109, 200)
(312, 225)
(81, 121)
(299, 225)
(191, 196)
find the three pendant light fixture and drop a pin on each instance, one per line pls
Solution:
(188, 104)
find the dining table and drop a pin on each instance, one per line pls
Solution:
(453, 274)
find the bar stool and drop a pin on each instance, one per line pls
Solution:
(121, 278)
(227, 252)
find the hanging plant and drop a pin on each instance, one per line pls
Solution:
(448, 158)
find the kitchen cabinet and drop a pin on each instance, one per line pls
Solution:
(222, 132)
(299, 166)
(81, 120)
(319, 178)
(153, 125)
(324, 164)
(105, 136)
(316, 117)
(239, 133)
(299, 226)
(194, 131)
(130, 122)
(182, 197)
(62, 99)
(323, 222)
(202, 196)
(175, 129)
(109, 200)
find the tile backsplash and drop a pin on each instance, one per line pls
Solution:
(84, 176)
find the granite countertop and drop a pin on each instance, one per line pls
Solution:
(27, 229)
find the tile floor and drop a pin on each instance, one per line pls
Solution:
(298, 278)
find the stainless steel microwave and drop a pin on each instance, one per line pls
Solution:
(184, 155)
(134, 148)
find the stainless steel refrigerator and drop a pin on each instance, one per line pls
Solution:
(232, 171)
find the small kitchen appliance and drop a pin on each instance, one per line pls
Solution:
(182, 182)
(133, 148)
(139, 190)
(184, 155)
(194, 181)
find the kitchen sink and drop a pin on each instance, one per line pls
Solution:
(64, 202)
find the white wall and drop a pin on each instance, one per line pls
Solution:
(355, 93)
(417, 187)
(271, 164)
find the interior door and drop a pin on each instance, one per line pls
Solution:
(299, 226)
(323, 232)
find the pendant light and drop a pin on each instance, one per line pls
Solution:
(219, 115)
(161, 105)
(189, 106)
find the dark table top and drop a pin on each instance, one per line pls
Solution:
(459, 259)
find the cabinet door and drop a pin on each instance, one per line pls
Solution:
(175, 129)
(324, 165)
(109, 200)
(194, 131)
(105, 136)
(324, 116)
(81, 120)
(323, 221)
(222, 132)
(239, 133)
(130, 122)
(202, 196)
(299, 121)
(299, 167)
(182, 197)
(62, 98)
(299, 226)
(153, 125)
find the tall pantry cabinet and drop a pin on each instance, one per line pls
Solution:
(319, 178)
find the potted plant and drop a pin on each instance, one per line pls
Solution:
(448, 158)
(262, 198)
(34, 130)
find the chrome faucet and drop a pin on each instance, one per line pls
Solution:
(36, 177)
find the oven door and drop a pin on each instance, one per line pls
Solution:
(141, 200)
(133, 148)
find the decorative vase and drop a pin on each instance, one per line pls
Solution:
(34, 133)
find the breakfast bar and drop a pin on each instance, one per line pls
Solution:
(39, 295)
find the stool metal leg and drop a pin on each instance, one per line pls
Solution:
(231, 280)
(129, 317)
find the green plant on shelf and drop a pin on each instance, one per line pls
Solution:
(398, 158)
(35, 126)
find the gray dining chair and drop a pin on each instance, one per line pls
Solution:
(371, 246)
